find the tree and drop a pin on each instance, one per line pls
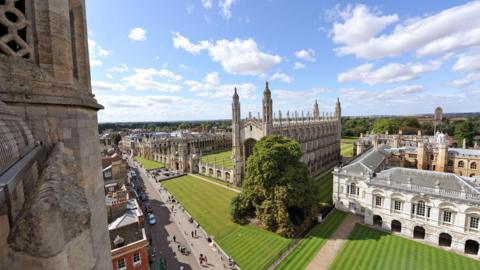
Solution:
(151, 127)
(276, 189)
(184, 126)
(385, 124)
(116, 138)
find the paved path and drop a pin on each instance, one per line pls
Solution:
(328, 252)
(197, 245)
(215, 183)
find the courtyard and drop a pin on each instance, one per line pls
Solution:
(367, 248)
(219, 159)
(250, 246)
(346, 146)
(149, 164)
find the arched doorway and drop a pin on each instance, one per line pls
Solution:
(249, 143)
(396, 226)
(419, 232)
(377, 220)
(210, 171)
(471, 247)
(227, 175)
(219, 174)
(204, 170)
(444, 240)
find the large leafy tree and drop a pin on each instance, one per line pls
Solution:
(277, 189)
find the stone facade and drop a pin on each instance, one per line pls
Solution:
(45, 80)
(437, 207)
(318, 135)
(182, 151)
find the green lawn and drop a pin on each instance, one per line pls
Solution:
(227, 184)
(368, 248)
(325, 188)
(149, 164)
(346, 146)
(308, 248)
(251, 247)
(219, 159)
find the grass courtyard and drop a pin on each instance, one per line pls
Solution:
(368, 248)
(250, 246)
(219, 159)
(149, 164)
(346, 146)
(325, 188)
(308, 248)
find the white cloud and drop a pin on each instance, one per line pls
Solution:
(207, 3)
(182, 42)
(145, 79)
(101, 85)
(298, 65)
(225, 8)
(445, 31)
(468, 62)
(166, 107)
(359, 24)
(468, 80)
(240, 57)
(280, 76)
(211, 87)
(390, 73)
(307, 55)
(401, 94)
(120, 69)
(289, 95)
(96, 51)
(190, 8)
(138, 34)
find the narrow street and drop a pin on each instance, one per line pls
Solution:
(163, 231)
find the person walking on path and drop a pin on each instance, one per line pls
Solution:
(174, 239)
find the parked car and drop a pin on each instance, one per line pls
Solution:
(151, 219)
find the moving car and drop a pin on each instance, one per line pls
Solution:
(151, 219)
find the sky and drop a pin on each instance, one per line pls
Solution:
(159, 60)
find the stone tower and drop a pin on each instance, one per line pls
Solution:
(316, 111)
(267, 111)
(56, 213)
(236, 139)
(437, 118)
(422, 162)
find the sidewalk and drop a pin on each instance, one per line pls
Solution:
(197, 245)
(328, 252)
(212, 182)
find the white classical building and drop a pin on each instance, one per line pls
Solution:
(441, 208)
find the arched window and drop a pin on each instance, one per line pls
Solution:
(461, 164)
(473, 165)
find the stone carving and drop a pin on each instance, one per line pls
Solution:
(13, 29)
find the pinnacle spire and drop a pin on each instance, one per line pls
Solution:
(235, 95)
(267, 89)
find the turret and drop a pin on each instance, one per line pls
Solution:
(316, 111)
(338, 109)
(267, 119)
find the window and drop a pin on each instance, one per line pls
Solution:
(378, 201)
(353, 189)
(121, 264)
(474, 222)
(447, 216)
(461, 164)
(136, 258)
(473, 165)
(450, 163)
(421, 208)
(397, 205)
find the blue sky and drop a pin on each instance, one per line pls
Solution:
(155, 60)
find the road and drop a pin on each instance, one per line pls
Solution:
(163, 231)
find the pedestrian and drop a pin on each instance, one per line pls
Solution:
(178, 247)
(174, 239)
(181, 267)
(192, 234)
(165, 262)
(195, 233)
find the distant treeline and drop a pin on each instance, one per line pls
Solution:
(166, 126)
